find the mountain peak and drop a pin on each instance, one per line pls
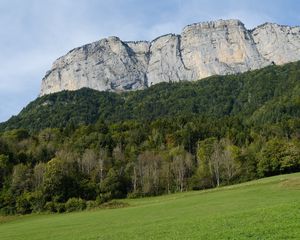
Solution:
(220, 23)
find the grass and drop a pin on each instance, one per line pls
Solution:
(263, 209)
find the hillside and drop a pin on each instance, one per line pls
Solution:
(263, 96)
(264, 209)
(69, 150)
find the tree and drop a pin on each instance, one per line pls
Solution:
(229, 157)
(4, 168)
(38, 175)
(270, 157)
(216, 160)
(204, 174)
(291, 160)
(61, 180)
(21, 179)
(279, 156)
(118, 154)
(182, 164)
(113, 186)
(131, 153)
(102, 161)
(166, 172)
(88, 161)
(148, 166)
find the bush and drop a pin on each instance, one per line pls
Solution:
(75, 204)
(114, 204)
(104, 197)
(55, 207)
(24, 203)
(37, 201)
(91, 204)
(50, 207)
(8, 210)
(7, 203)
(60, 207)
(133, 195)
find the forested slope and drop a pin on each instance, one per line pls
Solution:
(272, 92)
(72, 150)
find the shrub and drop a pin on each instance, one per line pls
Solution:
(104, 197)
(75, 204)
(114, 204)
(55, 207)
(50, 207)
(133, 195)
(37, 201)
(60, 207)
(92, 204)
(24, 203)
(7, 203)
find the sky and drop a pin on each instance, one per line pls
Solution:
(33, 33)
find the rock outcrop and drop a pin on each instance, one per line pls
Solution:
(220, 47)
(280, 44)
(203, 49)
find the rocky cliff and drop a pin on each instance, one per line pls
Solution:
(202, 49)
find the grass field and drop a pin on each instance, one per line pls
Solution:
(264, 209)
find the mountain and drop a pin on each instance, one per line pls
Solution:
(267, 95)
(203, 49)
(73, 150)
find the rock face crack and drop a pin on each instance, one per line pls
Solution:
(201, 50)
(180, 54)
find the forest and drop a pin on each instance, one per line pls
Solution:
(70, 151)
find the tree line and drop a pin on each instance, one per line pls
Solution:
(69, 169)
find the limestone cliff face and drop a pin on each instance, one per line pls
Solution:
(277, 43)
(165, 61)
(108, 64)
(203, 49)
(220, 47)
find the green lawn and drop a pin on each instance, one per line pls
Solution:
(265, 209)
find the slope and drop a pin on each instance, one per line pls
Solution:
(253, 95)
(263, 209)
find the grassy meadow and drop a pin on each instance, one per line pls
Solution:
(268, 208)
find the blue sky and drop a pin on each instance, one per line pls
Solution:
(36, 32)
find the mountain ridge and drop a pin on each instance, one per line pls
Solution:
(202, 49)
